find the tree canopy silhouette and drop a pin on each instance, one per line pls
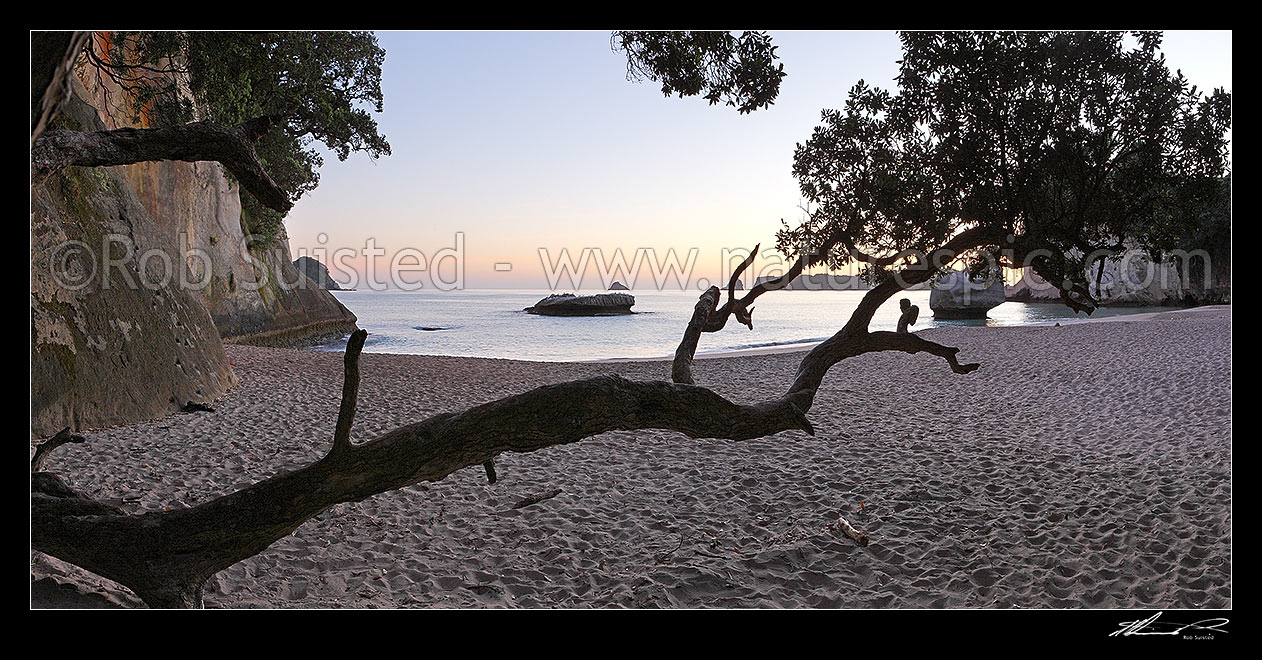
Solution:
(738, 71)
(1051, 148)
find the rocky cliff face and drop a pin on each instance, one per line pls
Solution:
(1136, 280)
(317, 273)
(254, 294)
(182, 278)
(113, 339)
(258, 297)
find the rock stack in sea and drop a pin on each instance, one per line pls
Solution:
(568, 304)
(316, 272)
(957, 296)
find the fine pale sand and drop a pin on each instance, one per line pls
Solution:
(1087, 465)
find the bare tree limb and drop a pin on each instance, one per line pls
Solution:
(912, 343)
(1074, 291)
(167, 556)
(742, 308)
(736, 274)
(231, 145)
(681, 368)
(58, 89)
(45, 448)
(350, 391)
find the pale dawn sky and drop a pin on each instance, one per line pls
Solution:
(529, 140)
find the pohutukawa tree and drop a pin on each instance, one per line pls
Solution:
(1030, 148)
(257, 102)
(739, 71)
(1041, 149)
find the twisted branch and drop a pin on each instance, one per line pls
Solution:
(167, 556)
(681, 369)
(233, 146)
(58, 90)
(350, 391)
(45, 448)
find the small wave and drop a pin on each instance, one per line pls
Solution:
(373, 340)
(769, 344)
(434, 328)
(333, 346)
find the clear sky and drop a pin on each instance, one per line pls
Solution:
(528, 140)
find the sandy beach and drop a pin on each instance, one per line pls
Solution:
(1086, 465)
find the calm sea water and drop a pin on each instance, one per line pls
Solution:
(491, 323)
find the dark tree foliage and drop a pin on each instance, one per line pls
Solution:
(46, 51)
(1054, 146)
(739, 71)
(1204, 239)
(324, 84)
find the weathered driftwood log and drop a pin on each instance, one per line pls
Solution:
(167, 556)
(857, 536)
(535, 499)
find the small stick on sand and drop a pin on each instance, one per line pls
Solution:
(664, 556)
(535, 499)
(859, 537)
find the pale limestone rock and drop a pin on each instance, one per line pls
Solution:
(955, 296)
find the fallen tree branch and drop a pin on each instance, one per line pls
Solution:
(167, 556)
(535, 499)
(233, 146)
(46, 447)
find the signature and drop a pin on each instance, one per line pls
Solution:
(1151, 626)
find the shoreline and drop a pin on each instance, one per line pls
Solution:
(1129, 506)
(806, 345)
(802, 347)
